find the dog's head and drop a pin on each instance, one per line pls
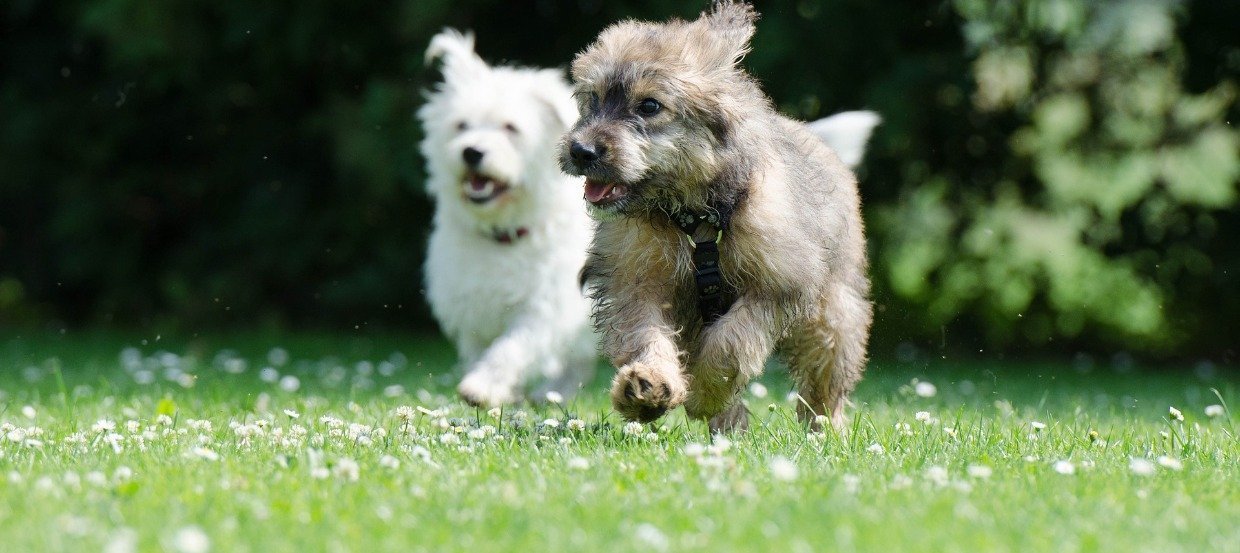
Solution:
(658, 102)
(491, 132)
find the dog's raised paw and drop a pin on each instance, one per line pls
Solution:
(642, 393)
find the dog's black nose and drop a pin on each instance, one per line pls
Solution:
(473, 156)
(584, 154)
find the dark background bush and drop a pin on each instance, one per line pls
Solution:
(194, 164)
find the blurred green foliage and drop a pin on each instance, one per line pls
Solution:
(1049, 173)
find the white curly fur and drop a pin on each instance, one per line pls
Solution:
(514, 310)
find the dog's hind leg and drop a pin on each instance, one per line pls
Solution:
(827, 354)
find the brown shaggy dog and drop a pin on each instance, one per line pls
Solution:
(675, 139)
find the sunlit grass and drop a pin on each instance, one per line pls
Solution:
(345, 443)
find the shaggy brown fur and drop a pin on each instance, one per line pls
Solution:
(794, 251)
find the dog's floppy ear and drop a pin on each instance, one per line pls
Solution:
(456, 49)
(732, 25)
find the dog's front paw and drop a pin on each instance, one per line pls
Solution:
(643, 393)
(482, 389)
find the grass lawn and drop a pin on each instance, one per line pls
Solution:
(347, 443)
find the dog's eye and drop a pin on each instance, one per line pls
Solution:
(649, 107)
(461, 125)
(511, 128)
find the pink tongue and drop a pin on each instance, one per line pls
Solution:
(478, 183)
(596, 191)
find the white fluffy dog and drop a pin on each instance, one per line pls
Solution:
(510, 230)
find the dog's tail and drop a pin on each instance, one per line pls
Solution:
(847, 133)
(456, 49)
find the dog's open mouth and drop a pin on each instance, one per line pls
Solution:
(480, 189)
(604, 193)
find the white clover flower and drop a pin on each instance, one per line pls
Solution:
(1037, 426)
(114, 441)
(420, 453)
(901, 481)
(431, 413)
(191, 539)
(1064, 467)
(103, 425)
(783, 469)
(875, 448)
(1175, 414)
(576, 424)
(122, 540)
(292, 414)
(651, 437)
(16, 435)
(949, 431)
(633, 428)
(719, 445)
(204, 453)
(979, 471)
(449, 438)
(1214, 410)
(96, 478)
(199, 425)
(578, 463)
(554, 397)
(925, 389)
(1140, 466)
(405, 413)
(132, 426)
(389, 462)
(29, 412)
(269, 375)
(319, 473)
(519, 416)
(278, 356)
(758, 390)
(1171, 463)
(122, 473)
(694, 449)
(495, 412)
(346, 469)
(163, 420)
(551, 423)
(290, 383)
(937, 475)
(851, 482)
(651, 536)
